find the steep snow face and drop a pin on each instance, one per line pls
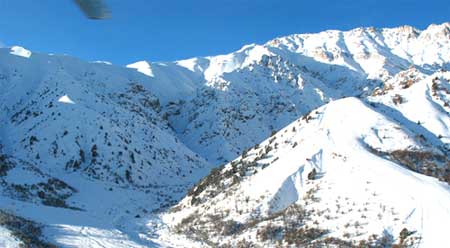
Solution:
(85, 149)
(110, 128)
(242, 108)
(336, 171)
(421, 99)
(265, 87)
(219, 65)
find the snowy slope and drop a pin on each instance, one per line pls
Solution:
(421, 99)
(89, 150)
(7, 240)
(66, 115)
(358, 188)
(85, 149)
(265, 87)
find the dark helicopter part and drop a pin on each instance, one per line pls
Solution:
(94, 9)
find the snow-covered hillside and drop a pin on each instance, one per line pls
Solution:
(89, 150)
(65, 115)
(346, 174)
(262, 88)
(89, 139)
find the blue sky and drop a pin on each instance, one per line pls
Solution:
(165, 30)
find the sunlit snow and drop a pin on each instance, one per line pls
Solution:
(7, 239)
(138, 139)
(66, 99)
(142, 67)
(20, 51)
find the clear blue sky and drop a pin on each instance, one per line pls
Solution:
(165, 30)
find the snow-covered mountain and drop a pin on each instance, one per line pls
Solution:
(350, 173)
(88, 149)
(89, 138)
(262, 88)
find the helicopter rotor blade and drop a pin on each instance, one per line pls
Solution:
(94, 9)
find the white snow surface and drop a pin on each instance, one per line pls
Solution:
(139, 137)
(7, 240)
(285, 78)
(20, 51)
(335, 143)
(66, 99)
(143, 67)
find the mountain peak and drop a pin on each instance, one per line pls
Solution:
(441, 31)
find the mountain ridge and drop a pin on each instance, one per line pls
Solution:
(124, 143)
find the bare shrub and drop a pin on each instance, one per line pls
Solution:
(28, 232)
(269, 232)
(397, 99)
